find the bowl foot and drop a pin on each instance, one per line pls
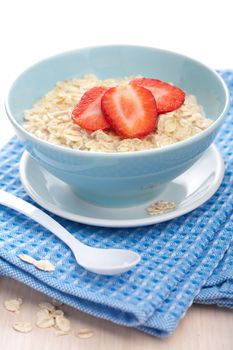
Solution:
(121, 200)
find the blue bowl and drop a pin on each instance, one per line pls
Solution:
(119, 179)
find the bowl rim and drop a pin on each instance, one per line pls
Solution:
(164, 149)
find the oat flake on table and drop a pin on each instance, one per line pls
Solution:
(47, 306)
(22, 327)
(84, 333)
(44, 319)
(57, 313)
(13, 305)
(62, 323)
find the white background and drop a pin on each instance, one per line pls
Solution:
(32, 30)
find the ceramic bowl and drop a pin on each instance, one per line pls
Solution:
(119, 179)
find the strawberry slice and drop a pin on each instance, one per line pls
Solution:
(167, 97)
(87, 113)
(131, 110)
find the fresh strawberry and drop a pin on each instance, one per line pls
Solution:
(130, 110)
(167, 97)
(87, 113)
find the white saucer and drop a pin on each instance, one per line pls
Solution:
(188, 191)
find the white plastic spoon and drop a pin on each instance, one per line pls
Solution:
(98, 260)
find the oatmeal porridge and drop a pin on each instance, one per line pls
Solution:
(50, 120)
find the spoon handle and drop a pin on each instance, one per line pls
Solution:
(23, 207)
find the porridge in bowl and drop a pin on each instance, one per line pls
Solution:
(62, 116)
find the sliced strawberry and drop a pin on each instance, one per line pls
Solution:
(130, 110)
(167, 97)
(87, 113)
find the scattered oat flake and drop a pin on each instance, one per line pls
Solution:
(44, 319)
(160, 207)
(62, 324)
(47, 306)
(56, 302)
(57, 313)
(44, 265)
(13, 305)
(84, 333)
(27, 258)
(22, 327)
(43, 313)
(45, 323)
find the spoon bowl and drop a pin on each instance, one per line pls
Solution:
(97, 260)
(109, 261)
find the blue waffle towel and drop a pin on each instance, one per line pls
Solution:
(184, 260)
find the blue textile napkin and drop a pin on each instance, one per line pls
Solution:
(184, 260)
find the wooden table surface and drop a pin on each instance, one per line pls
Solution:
(203, 328)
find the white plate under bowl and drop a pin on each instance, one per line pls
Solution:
(188, 191)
